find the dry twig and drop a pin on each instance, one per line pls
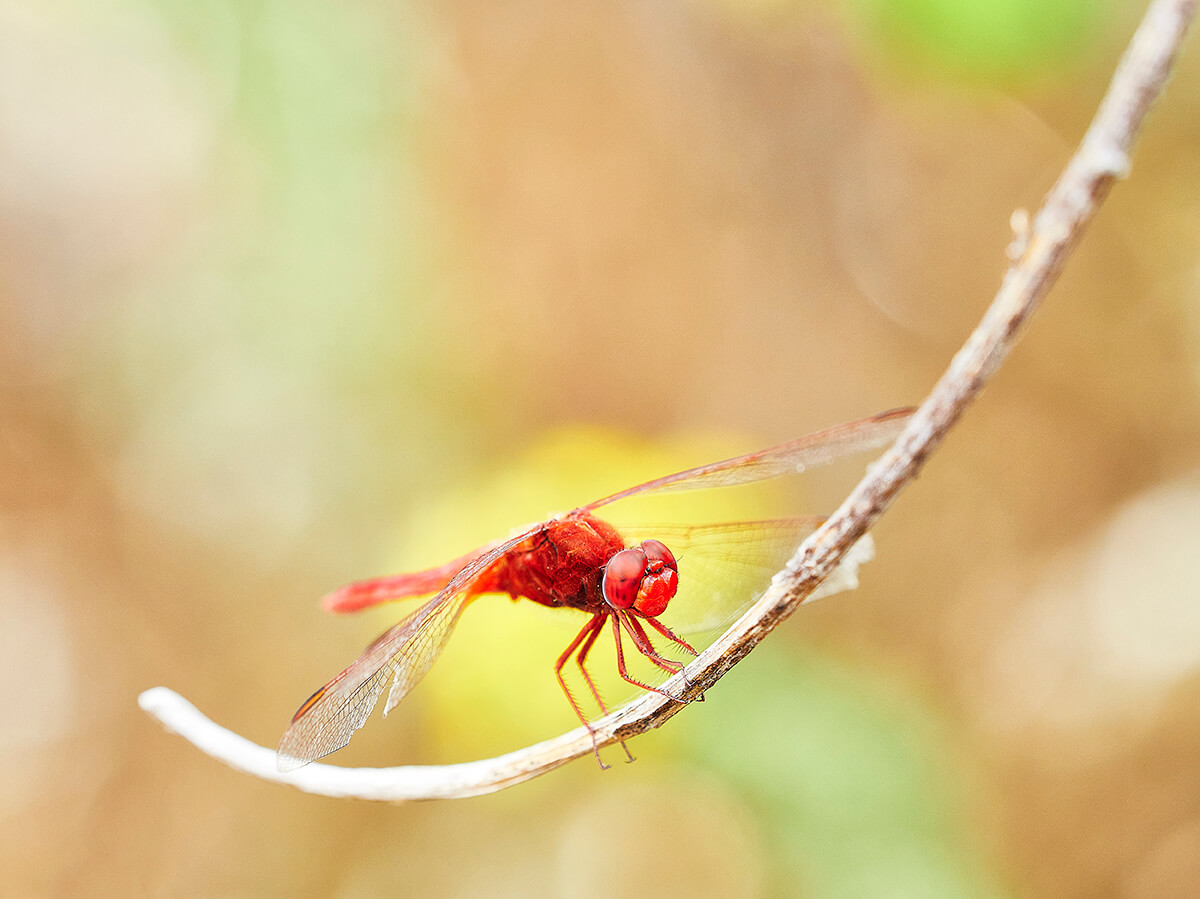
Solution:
(1038, 255)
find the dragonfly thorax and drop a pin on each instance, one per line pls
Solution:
(560, 564)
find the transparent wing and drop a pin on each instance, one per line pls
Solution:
(723, 567)
(787, 458)
(403, 654)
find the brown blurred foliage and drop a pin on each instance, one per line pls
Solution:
(272, 278)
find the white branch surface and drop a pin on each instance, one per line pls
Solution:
(1039, 252)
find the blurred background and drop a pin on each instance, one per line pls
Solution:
(293, 293)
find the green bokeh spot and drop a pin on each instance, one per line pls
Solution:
(985, 39)
(855, 783)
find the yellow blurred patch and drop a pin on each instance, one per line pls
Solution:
(494, 688)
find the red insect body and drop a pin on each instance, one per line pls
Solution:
(561, 563)
(364, 594)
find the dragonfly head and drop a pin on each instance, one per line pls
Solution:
(642, 578)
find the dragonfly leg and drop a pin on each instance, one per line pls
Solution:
(583, 642)
(581, 661)
(675, 638)
(596, 625)
(665, 664)
(646, 648)
(671, 635)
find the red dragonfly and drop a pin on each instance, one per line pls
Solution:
(576, 561)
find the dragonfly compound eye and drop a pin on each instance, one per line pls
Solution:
(660, 581)
(623, 577)
(656, 551)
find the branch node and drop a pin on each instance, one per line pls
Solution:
(1022, 227)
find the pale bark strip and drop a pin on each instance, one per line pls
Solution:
(1103, 156)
